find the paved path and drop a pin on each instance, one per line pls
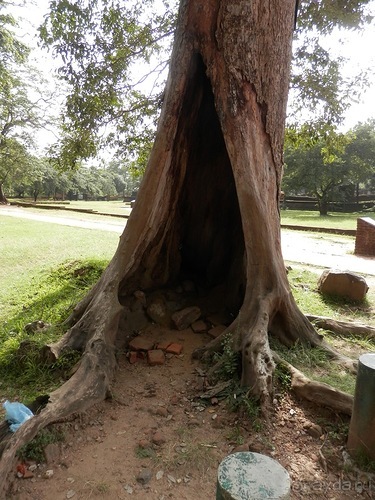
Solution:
(64, 220)
(325, 250)
(317, 249)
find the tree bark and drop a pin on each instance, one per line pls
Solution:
(208, 206)
(3, 199)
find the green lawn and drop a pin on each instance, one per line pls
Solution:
(28, 247)
(336, 220)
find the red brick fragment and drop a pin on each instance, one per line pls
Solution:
(141, 344)
(133, 358)
(163, 345)
(199, 326)
(216, 331)
(155, 357)
(174, 349)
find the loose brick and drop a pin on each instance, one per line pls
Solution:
(216, 331)
(133, 358)
(155, 357)
(141, 344)
(199, 326)
(184, 318)
(174, 349)
(163, 345)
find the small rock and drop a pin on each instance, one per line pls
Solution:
(157, 310)
(343, 283)
(185, 317)
(193, 422)
(162, 412)
(171, 478)
(158, 438)
(159, 475)
(128, 489)
(48, 474)
(70, 494)
(313, 430)
(163, 345)
(144, 443)
(144, 476)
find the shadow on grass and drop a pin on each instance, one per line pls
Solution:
(50, 297)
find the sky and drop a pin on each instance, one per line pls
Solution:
(356, 47)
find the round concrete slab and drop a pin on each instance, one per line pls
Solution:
(247, 475)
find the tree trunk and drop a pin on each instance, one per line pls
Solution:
(3, 199)
(207, 209)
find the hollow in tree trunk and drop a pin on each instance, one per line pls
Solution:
(208, 206)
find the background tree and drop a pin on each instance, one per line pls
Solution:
(23, 100)
(360, 156)
(15, 163)
(323, 168)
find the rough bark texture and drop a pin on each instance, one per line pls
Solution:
(3, 198)
(207, 209)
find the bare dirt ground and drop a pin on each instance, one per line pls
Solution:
(157, 439)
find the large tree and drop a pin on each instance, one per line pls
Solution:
(24, 101)
(207, 209)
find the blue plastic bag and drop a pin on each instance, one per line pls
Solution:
(16, 414)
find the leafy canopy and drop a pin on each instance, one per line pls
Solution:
(114, 55)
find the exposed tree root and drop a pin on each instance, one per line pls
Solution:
(343, 328)
(317, 392)
(342, 360)
(96, 370)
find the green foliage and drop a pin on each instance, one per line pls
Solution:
(320, 94)
(282, 378)
(329, 168)
(141, 452)
(100, 43)
(227, 360)
(34, 450)
(114, 52)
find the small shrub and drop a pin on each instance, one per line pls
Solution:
(34, 450)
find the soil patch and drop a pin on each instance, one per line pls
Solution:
(157, 439)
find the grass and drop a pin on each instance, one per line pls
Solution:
(34, 450)
(29, 247)
(336, 220)
(45, 269)
(305, 291)
(51, 296)
(314, 362)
